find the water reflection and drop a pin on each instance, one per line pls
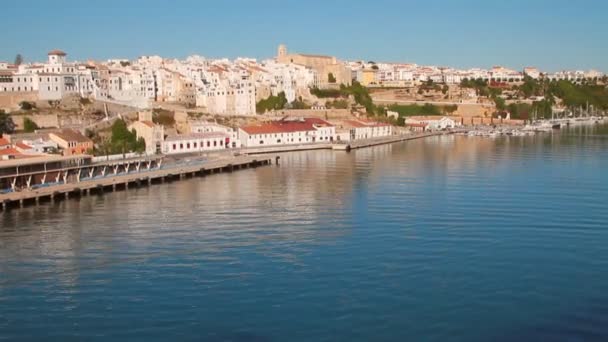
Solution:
(405, 241)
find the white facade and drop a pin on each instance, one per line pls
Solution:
(359, 129)
(196, 142)
(287, 132)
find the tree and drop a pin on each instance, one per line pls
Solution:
(25, 105)
(29, 125)
(331, 78)
(6, 123)
(375, 67)
(272, 103)
(123, 140)
(18, 59)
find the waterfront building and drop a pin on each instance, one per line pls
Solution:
(287, 131)
(71, 141)
(201, 126)
(153, 134)
(433, 123)
(196, 142)
(350, 130)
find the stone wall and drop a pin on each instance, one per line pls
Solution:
(42, 120)
(323, 114)
(10, 101)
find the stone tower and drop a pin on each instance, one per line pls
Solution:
(282, 51)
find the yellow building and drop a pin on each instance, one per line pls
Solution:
(368, 76)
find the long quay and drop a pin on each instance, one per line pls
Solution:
(123, 181)
(386, 140)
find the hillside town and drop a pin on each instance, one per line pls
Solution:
(153, 105)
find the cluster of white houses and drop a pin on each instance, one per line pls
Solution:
(226, 87)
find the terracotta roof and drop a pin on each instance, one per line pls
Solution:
(314, 56)
(365, 123)
(4, 142)
(23, 146)
(57, 52)
(286, 126)
(355, 123)
(9, 152)
(72, 135)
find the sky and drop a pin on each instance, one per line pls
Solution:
(550, 34)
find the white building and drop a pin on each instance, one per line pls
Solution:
(196, 142)
(432, 123)
(363, 129)
(287, 132)
(201, 126)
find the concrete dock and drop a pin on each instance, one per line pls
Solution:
(124, 181)
(383, 141)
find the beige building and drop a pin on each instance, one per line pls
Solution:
(71, 141)
(330, 71)
(153, 134)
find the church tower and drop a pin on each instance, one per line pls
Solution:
(281, 52)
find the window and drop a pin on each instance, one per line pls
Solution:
(181, 146)
(194, 145)
(214, 143)
(174, 147)
(208, 143)
(221, 143)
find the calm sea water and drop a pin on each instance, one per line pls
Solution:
(447, 238)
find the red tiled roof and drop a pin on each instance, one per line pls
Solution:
(365, 123)
(286, 126)
(57, 52)
(355, 123)
(4, 142)
(23, 146)
(9, 152)
(72, 135)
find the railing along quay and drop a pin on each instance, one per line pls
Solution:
(124, 181)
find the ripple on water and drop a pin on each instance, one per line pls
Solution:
(451, 238)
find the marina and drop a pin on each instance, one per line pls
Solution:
(539, 126)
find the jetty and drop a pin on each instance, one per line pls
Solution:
(385, 140)
(118, 181)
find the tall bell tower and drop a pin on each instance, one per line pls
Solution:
(281, 51)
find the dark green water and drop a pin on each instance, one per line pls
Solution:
(447, 238)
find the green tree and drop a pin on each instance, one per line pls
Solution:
(18, 59)
(29, 125)
(123, 140)
(6, 123)
(331, 78)
(26, 105)
(271, 103)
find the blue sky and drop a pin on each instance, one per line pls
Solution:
(550, 34)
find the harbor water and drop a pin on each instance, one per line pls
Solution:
(448, 238)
